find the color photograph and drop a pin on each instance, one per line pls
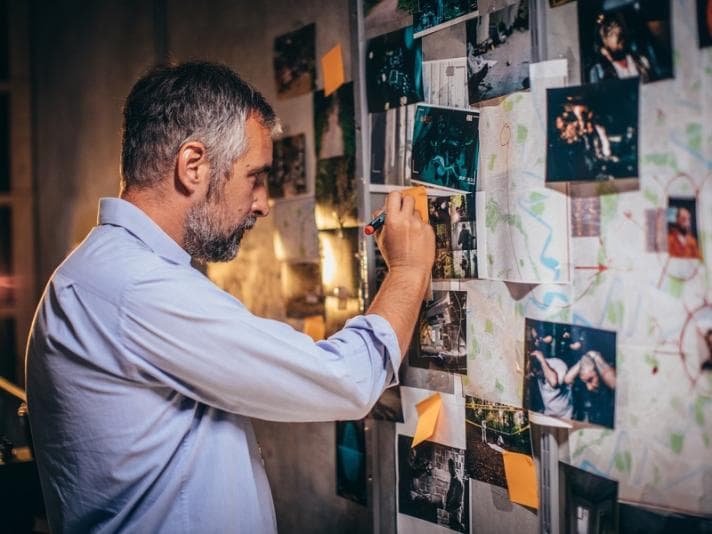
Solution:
(334, 127)
(625, 39)
(433, 15)
(704, 22)
(295, 62)
(585, 216)
(351, 461)
(570, 372)
(682, 238)
(335, 193)
(394, 67)
(592, 132)
(432, 484)
(445, 148)
(499, 51)
(491, 429)
(442, 333)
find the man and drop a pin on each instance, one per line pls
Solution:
(549, 374)
(593, 382)
(453, 499)
(142, 374)
(681, 241)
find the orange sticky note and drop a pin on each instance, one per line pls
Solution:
(428, 411)
(315, 327)
(521, 479)
(421, 200)
(332, 67)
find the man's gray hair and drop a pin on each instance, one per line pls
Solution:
(197, 101)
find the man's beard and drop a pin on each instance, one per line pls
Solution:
(206, 240)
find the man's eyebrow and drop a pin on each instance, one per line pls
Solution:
(260, 170)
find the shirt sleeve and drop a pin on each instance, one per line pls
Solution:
(188, 334)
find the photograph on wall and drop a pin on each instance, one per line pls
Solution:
(351, 461)
(453, 221)
(585, 216)
(418, 377)
(295, 62)
(570, 372)
(393, 70)
(389, 406)
(557, 3)
(335, 193)
(442, 333)
(625, 39)
(302, 289)
(434, 15)
(334, 126)
(288, 176)
(704, 22)
(391, 145)
(592, 132)
(499, 52)
(656, 230)
(491, 429)
(432, 484)
(682, 234)
(590, 501)
(385, 16)
(445, 82)
(445, 148)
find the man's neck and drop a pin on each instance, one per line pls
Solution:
(154, 203)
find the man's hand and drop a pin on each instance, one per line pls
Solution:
(406, 242)
(408, 246)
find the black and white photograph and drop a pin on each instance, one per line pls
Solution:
(288, 176)
(592, 132)
(394, 70)
(351, 461)
(491, 429)
(453, 221)
(295, 62)
(570, 372)
(704, 22)
(682, 236)
(590, 501)
(432, 484)
(334, 127)
(625, 39)
(335, 193)
(442, 333)
(445, 148)
(499, 48)
(389, 406)
(391, 145)
(302, 289)
(433, 15)
(585, 216)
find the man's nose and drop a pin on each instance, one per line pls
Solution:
(260, 205)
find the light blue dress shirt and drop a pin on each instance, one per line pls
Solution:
(141, 376)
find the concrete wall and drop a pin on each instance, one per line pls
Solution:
(86, 56)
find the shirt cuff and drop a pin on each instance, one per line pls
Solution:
(383, 333)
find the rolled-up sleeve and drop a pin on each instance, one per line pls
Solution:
(183, 332)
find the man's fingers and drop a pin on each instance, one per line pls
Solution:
(393, 203)
(408, 205)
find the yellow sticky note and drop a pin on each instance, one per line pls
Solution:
(332, 67)
(315, 327)
(428, 411)
(421, 200)
(521, 479)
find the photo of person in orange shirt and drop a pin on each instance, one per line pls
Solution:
(682, 229)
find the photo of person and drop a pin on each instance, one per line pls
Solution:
(432, 485)
(625, 39)
(492, 428)
(498, 52)
(394, 70)
(295, 62)
(592, 132)
(445, 148)
(453, 221)
(682, 229)
(704, 22)
(442, 333)
(570, 372)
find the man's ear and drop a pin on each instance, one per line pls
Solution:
(192, 171)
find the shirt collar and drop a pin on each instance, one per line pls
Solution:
(119, 212)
